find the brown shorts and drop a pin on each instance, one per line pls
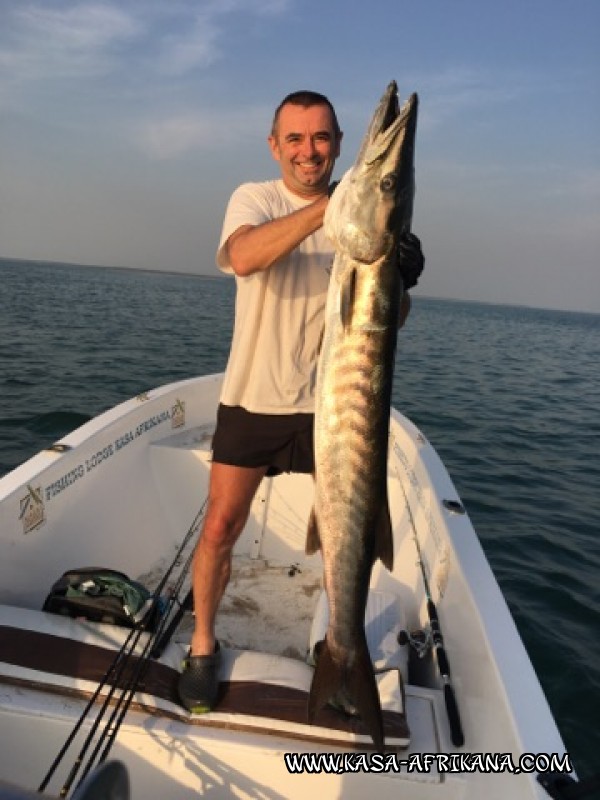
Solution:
(281, 442)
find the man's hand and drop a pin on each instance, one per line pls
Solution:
(410, 260)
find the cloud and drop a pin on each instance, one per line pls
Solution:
(87, 39)
(196, 46)
(484, 96)
(198, 42)
(77, 41)
(457, 90)
(178, 135)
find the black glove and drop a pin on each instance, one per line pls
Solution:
(410, 260)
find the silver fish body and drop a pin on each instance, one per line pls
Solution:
(368, 212)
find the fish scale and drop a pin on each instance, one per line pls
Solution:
(369, 210)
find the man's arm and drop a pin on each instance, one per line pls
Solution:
(252, 248)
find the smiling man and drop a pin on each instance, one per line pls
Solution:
(273, 242)
(306, 142)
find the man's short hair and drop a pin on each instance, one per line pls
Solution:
(306, 99)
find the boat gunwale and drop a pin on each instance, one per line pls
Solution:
(533, 727)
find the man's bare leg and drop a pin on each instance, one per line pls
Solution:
(231, 493)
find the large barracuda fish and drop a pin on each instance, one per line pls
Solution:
(368, 213)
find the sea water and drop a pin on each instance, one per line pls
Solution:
(509, 397)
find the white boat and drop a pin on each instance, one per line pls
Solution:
(125, 491)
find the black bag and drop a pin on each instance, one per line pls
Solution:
(101, 595)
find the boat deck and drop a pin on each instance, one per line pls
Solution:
(261, 694)
(268, 607)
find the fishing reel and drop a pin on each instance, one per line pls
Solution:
(420, 641)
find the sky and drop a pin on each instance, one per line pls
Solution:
(126, 125)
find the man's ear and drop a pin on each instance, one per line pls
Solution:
(339, 144)
(274, 147)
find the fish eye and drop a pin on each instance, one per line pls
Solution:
(388, 182)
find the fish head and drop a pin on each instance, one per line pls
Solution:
(372, 205)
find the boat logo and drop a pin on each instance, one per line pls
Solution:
(178, 414)
(33, 511)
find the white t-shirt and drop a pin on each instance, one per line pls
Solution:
(279, 312)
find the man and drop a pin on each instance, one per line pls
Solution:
(273, 241)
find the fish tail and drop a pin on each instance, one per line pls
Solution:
(356, 683)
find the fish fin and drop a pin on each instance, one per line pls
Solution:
(313, 539)
(356, 684)
(347, 292)
(384, 540)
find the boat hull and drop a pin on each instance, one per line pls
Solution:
(123, 492)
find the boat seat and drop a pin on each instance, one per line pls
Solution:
(261, 693)
(384, 619)
(259, 690)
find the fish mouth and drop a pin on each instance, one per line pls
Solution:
(389, 119)
(391, 107)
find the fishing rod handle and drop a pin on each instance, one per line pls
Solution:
(442, 660)
(433, 615)
(438, 640)
(456, 732)
(434, 621)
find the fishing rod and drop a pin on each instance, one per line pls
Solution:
(128, 687)
(111, 676)
(456, 730)
(129, 690)
(163, 640)
(116, 671)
